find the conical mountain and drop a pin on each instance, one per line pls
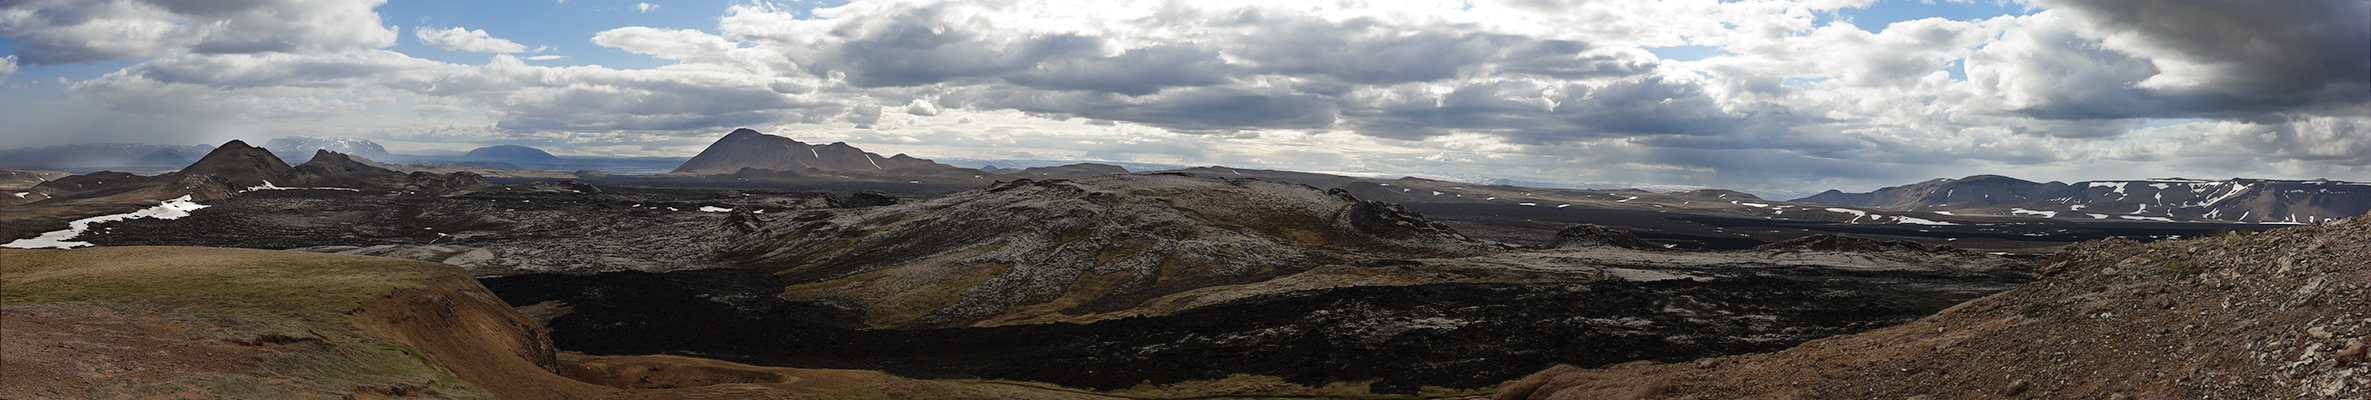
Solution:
(237, 164)
(745, 148)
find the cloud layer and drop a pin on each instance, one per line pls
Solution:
(1796, 100)
(466, 40)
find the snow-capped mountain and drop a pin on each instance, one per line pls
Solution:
(2236, 199)
(301, 148)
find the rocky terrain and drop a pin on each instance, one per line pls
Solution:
(2281, 314)
(228, 171)
(2236, 199)
(1094, 246)
(16, 184)
(564, 227)
(1721, 219)
(1386, 339)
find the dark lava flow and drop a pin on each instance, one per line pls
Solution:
(1448, 335)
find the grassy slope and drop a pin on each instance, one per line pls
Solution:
(290, 306)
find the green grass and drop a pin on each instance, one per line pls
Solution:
(296, 303)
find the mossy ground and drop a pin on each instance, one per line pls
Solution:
(288, 308)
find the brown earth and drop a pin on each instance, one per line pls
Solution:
(182, 322)
(2282, 314)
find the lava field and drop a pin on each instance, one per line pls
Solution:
(1402, 338)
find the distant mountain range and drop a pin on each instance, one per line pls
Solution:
(750, 155)
(2236, 199)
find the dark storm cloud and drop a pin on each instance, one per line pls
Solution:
(48, 32)
(2245, 60)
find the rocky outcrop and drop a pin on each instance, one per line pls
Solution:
(2279, 314)
(746, 148)
(1584, 236)
(1093, 246)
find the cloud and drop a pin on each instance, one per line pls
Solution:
(2187, 60)
(466, 40)
(7, 68)
(49, 32)
(645, 7)
(1538, 91)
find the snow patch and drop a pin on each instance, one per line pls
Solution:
(1944, 212)
(1755, 205)
(1527, 204)
(171, 209)
(1920, 221)
(2098, 216)
(2141, 218)
(267, 185)
(714, 209)
(2043, 213)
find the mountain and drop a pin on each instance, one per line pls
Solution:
(2236, 199)
(298, 147)
(89, 155)
(1978, 189)
(746, 148)
(237, 167)
(510, 154)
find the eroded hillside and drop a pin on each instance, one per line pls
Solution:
(2281, 314)
(1094, 246)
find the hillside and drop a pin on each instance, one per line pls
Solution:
(184, 322)
(2237, 199)
(227, 171)
(1034, 249)
(2281, 314)
(744, 148)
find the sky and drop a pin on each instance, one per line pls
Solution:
(1775, 97)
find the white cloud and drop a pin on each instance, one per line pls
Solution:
(50, 32)
(645, 7)
(466, 40)
(1517, 89)
(7, 67)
